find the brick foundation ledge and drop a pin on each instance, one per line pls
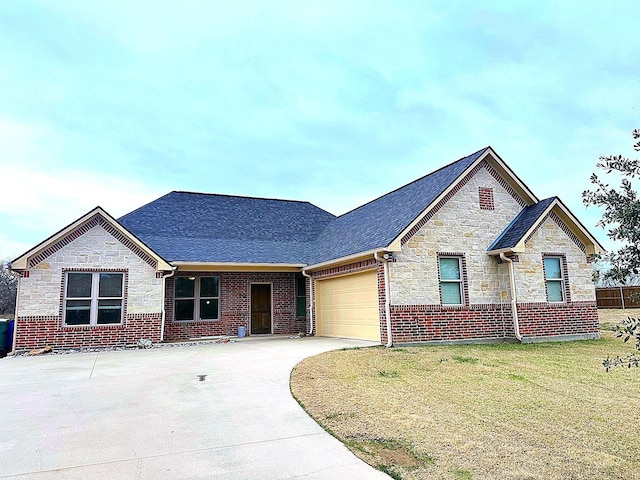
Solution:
(562, 338)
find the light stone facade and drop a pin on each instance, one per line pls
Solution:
(96, 249)
(529, 273)
(461, 226)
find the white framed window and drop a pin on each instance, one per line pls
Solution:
(196, 298)
(554, 278)
(93, 298)
(451, 280)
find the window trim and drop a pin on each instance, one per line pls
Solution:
(462, 281)
(197, 298)
(562, 280)
(95, 297)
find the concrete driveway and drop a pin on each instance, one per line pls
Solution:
(144, 414)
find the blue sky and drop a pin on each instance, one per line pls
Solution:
(115, 103)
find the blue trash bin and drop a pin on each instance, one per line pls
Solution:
(4, 333)
(10, 335)
(241, 332)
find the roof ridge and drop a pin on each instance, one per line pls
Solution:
(250, 197)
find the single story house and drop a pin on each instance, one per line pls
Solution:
(466, 253)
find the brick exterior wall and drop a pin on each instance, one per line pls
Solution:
(437, 323)
(235, 295)
(39, 331)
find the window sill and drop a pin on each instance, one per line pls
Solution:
(84, 327)
(212, 320)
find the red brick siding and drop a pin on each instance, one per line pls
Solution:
(486, 198)
(37, 332)
(235, 306)
(543, 319)
(424, 323)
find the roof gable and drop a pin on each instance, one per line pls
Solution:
(93, 218)
(517, 233)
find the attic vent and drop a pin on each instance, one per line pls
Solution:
(486, 198)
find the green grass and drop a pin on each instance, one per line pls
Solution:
(502, 411)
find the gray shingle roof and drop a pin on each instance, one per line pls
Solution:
(377, 223)
(184, 226)
(520, 225)
(196, 227)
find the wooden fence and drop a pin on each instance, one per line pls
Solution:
(618, 297)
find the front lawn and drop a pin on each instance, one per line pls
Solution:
(506, 411)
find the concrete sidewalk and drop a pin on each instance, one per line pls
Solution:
(144, 414)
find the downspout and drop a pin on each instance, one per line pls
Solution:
(304, 273)
(514, 299)
(15, 316)
(164, 300)
(387, 306)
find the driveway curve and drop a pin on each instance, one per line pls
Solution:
(146, 414)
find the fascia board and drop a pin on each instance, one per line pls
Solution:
(503, 169)
(344, 260)
(237, 267)
(592, 245)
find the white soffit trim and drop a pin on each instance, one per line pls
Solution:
(184, 266)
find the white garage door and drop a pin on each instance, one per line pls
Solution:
(347, 307)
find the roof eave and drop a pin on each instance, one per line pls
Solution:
(184, 266)
(345, 260)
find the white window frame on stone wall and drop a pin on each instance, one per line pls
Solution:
(95, 301)
(554, 280)
(197, 299)
(459, 281)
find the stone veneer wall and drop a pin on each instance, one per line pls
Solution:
(235, 306)
(41, 293)
(467, 223)
(460, 225)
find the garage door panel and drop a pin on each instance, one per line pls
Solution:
(348, 306)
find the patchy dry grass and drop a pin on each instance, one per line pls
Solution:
(545, 411)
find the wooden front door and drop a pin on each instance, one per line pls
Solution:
(260, 308)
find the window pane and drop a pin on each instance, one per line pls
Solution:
(449, 269)
(110, 285)
(79, 285)
(301, 306)
(185, 287)
(301, 286)
(451, 293)
(184, 309)
(554, 291)
(552, 267)
(109, 311)
(78, 312)
(209, 286)
(209, 309)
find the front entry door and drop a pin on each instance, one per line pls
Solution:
(260, 308)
